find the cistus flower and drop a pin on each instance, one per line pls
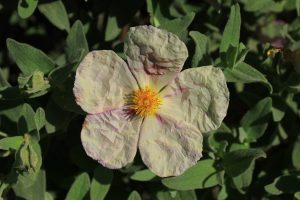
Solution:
(147, 104)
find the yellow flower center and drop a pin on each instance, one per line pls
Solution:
(146, 101)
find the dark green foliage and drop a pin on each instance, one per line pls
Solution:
(255, 154)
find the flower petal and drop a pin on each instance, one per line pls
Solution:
(154, 56)
(111, 137)
(102, 81)
(199, 96)
(169, 146)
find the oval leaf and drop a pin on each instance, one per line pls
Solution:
(79, 188)
(26, 7)
(202, 175)
(100, 183)
(56, 13)
(28, 58)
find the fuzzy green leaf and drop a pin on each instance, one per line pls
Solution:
(255, 121)
(80, 187)
(134, 195)
(28, 58)
(76, 44)
(237, 162)
(244, 73)
(231, 34)
(202, 175)
(26, 7)
(56, 13)
(100, 183)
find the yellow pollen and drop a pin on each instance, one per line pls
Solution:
(146, 101)
(273, 51)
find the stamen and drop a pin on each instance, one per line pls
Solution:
(145, 101)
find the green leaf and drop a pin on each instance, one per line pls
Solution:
(29, 157)
(143, 175)
(243, 180)
(3, 81)
(296, 153)
(176, 195)
(298, 7)
(56, 13)
(134, 195)
(40, 118)
(284, 184)
(183, 23)
(234, 55)
(244, 73)
(30, 86)
(101, 183)
(237, 162)
(28, 58)
(264, 6)
(26, 7)
(255, 121)
(112, 28)
(297, 195)
(278, 108)
(201, 175)
(231, 34)
(80, 187)
(201, 57)
(35, 191)
(11, 143)
(76, 44)
(158, 11)
(26, 122)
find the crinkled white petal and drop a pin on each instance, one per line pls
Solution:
(154, 56)
(169, 146)
(102, 81)
(111, 137)
(199, 96)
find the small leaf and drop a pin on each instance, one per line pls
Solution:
(29, 157)
(80, 187)
(183, 23)
(56, 13)
(100, 183)
(26, 121)
(244, 73)
(296, 153)
(37, 190)
(28, 58)
(284, 184)
(76, 44)
(237, 162)
(40, 118)
(278, 108)
(134, 195)
(243, 180)
(26, 7)
(202, 175)
(143, 175)
(255, 121)
(200, 57)
(298, 7)
(297, 195)
(176, 195)
(231, 34)
(3, 81)
(11, 143)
